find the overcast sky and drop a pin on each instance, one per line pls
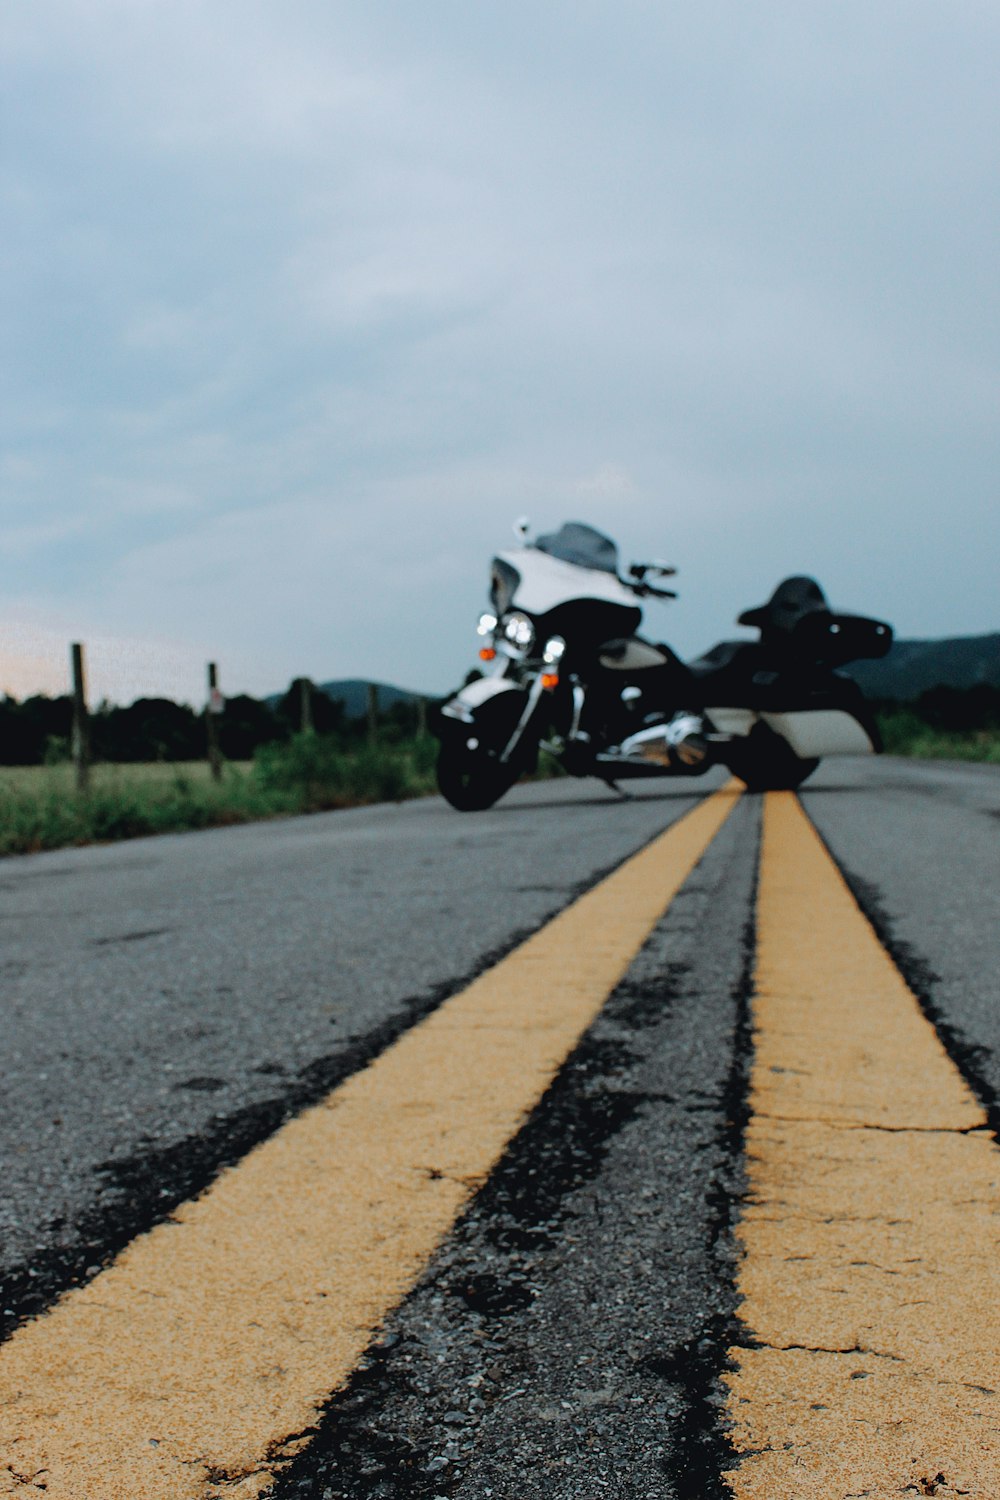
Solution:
(306, 300)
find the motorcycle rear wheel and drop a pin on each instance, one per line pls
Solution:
(765, 762)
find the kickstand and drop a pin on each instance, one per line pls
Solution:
(625, 796)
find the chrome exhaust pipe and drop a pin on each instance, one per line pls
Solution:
(678, 746)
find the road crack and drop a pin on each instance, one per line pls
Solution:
(823, 1349)
(32, 1481)
(980, 1128)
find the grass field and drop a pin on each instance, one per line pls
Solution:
(905, 733)
(40, 807)
(40, 780)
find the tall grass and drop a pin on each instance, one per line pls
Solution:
(40, 808)
(321, 771)
(906, 733)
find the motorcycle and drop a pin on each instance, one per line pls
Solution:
(565, 670)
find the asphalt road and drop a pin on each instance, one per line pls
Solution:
(168, 1003)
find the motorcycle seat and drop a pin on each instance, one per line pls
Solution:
(724, 655)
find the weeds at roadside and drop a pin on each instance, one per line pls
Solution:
(906, 733)
(310, 773)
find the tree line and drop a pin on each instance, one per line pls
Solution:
(952, 710)
(37, 730)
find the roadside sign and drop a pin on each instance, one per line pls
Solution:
(216, 702)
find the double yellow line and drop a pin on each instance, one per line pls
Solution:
(868, 1361)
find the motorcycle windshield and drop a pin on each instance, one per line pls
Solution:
(581, 545)
(537, 582)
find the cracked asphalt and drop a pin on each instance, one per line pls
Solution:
(168, 1003)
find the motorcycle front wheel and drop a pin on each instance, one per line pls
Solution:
(470, 774)
(765, 762)
(471, 780)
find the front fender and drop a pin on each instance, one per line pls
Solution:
(499, 715)
(463, 704)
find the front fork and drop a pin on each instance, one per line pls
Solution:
(571, 710)
(535, 693)
(579, 699)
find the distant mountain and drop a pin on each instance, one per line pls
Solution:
(914, 667)
(353, 693)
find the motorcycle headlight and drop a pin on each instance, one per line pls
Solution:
(519, 630)
(487, 624)
(555, 650)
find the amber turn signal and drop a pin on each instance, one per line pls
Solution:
(550, 680)
(486, 653)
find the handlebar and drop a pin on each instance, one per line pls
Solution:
(661, 569)
(638, 579)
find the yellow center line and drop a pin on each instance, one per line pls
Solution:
(184, 1369)
(870, 1279)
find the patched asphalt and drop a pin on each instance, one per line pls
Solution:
(568, 1338)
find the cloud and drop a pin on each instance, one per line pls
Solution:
(35, 658)
(306, 303)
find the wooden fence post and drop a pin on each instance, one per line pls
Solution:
(372, 713)
(81, 723)
(213, 708)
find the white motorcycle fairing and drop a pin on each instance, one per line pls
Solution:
(545, 582)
